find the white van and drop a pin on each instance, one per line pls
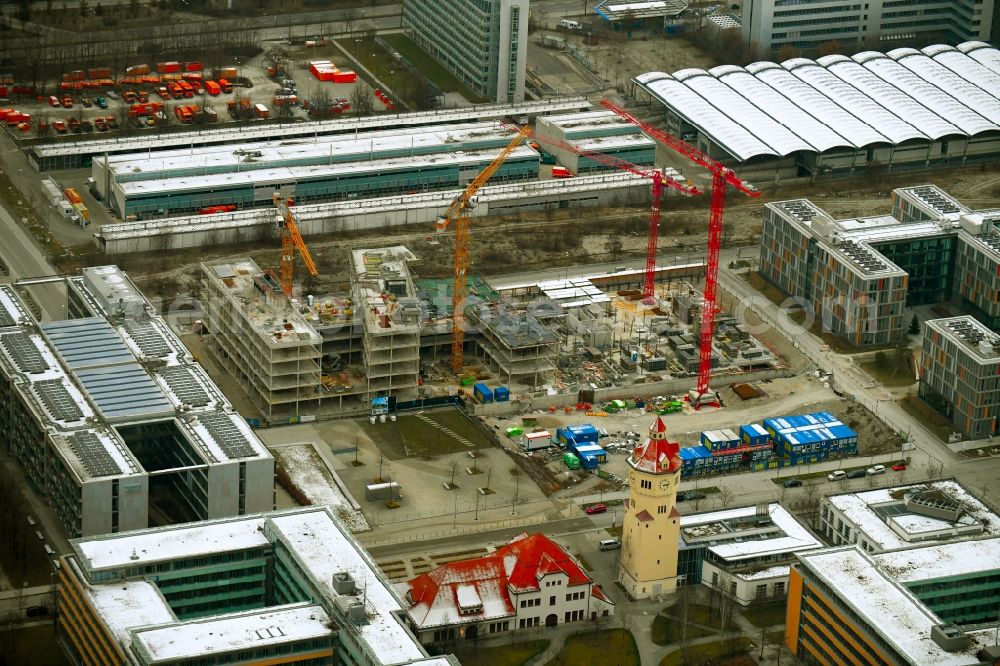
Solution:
(566, 24)
(610, 544)
(836, 475)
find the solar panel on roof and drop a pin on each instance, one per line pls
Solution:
(183, 383)
(148, 337)
(24, 353)
(89, 449)
(230, 438)
(57, 400)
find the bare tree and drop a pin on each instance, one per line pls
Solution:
(726, 496)
(453, 468)
(381, 463)
(361, 100)
(276, 57)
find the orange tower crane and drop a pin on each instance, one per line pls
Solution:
(721, 176)
(458, 212)
(659, 180)
(291, 239)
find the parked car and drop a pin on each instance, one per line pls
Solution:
(836, 475)
(857, 474)
(101, 102)
(876, 469)
(112, 94)
(899, 467)
(53, 100)
(792, 483)
(596, 508)
(610, 544)
(690, 495)
(59, 126)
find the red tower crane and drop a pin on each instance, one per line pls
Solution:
(655, 175)
(721, 176)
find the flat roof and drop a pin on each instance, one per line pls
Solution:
(323, 548)
(203, 136)
(942, 561)
(772, 109)
(127, 605)
(237, 631)
(615, 10)
(729, 544)
(117, 551)
(975, 338)
(857, 508)
(276, 322)
(332, 209)
(283, 175)
(331, 148)
(887, 608)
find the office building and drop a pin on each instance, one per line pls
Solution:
(289, 587)
(921, 606)
(112, 420)
(893, 518)
(960, 374)
(769, 25)
(483, 43)
(531, 581)
(856, 276)
(744, 552)
(837, 117)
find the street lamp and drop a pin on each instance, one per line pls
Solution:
(357, 44)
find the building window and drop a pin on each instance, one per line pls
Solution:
(779, 589)
(761, 591)
(644, 483)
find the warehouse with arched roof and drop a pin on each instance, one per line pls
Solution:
(837, 116)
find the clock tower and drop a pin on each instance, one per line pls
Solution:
(651, 526)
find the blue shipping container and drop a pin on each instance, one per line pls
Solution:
(482, 392)
(501, 394)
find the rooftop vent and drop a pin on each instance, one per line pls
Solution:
(352, 609)
(344, 584)
(949, 637)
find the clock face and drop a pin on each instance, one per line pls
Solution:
(664, 484)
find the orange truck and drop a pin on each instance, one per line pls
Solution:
(261, 111)
(212, 88)
(225, 86)
(72, 195)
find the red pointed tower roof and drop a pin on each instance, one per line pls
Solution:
(657, 455)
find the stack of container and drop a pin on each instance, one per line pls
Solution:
(810, 438)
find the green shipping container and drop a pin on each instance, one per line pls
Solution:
(514, 431)
(571, 461)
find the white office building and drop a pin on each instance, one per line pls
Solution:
(772, 24)
(484, 43)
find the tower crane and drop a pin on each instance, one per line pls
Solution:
(290, 240)
(721, 176)
(659, 180)
(458, 213)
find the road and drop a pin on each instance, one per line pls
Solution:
(978, 474)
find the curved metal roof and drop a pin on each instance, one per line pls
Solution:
(700, 113)
(967, 68)
(858, 102)
(933, 98)
(943, 78)
(772, 109)
(742, 110)
(821, 107)
(784, 110)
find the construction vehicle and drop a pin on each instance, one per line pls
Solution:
(290, 240)
(458, 212)
(721, 176)
(656, 176)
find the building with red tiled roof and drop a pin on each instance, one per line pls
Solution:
(530, 581)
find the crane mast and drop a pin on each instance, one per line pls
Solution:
(290, 240)
(658, 179)
(721, 176)
(458, 213)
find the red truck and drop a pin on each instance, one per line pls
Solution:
(212, 88)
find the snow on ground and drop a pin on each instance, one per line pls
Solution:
(310, 473)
